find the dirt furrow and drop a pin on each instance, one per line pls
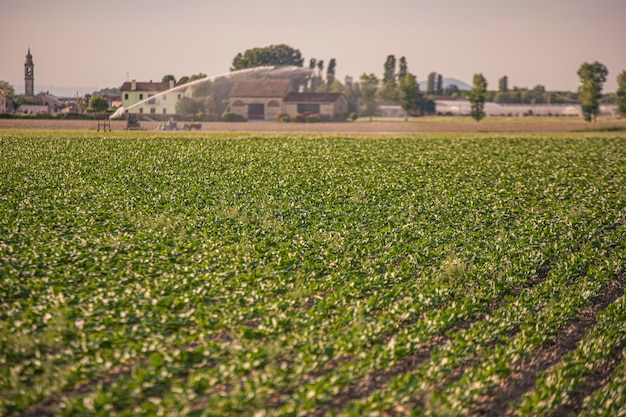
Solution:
(511, 390)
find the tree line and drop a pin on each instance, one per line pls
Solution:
(398, 86)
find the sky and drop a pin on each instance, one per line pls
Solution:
(88, 45)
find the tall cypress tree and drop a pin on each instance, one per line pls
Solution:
(621, 93)
(403, 68)
(390, 70)
(330, 71)
(503, 84)
(430, 83)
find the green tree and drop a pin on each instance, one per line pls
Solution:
(452, 90)
(592, 76)
(330, 71)
(402, 67)
(213, 95)
(270, 55)
(198, 76)
(389, 92)
(439, 84)
(424, 105)
(335, 87)
(7, 89)
(167, 78)
(389, 75)
(98, 104)
(352, 91)
(410, 89)
(477, 97)
(369, 85)
(188, 107)
(183, 80)
(430, 83)
(621, 93)
(503, 84)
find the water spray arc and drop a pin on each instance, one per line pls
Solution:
(257, 71)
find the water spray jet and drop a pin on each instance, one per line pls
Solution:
(268, 70)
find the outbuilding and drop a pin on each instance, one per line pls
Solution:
(332, 105)
(259, 99)
(264, 99)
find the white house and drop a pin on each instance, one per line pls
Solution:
(33, 109)
(134, 92)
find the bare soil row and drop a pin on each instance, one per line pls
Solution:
(376, 126)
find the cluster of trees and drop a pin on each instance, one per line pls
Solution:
(397, 86)
(592, 77)
(8, 91)
(271, 55)
(208, 100)
(536, 95)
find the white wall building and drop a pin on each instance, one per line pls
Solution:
(153, 95)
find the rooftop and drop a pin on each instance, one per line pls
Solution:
(260, 88)
(312, 97)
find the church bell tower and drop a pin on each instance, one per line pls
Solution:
(29, 75)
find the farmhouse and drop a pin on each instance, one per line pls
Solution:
(259, 99)
(265, 99)
(134, 92)
(33, 109)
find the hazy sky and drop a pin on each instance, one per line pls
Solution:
(97, 44)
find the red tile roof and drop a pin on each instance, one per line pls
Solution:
(294, 97)
(147, 86)
(260, 88)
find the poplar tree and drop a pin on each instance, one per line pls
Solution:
(390, 70)
(477, 97)
(403, 67)
(430, 83)
(621, 93)
(389, 92)
(330, 71)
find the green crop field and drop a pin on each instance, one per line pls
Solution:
(234, 274)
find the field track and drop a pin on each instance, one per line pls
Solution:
(432, 124)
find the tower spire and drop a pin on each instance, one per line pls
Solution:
(29, 75)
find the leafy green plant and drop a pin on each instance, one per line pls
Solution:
(146, 274)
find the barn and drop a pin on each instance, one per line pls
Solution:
(264, 99)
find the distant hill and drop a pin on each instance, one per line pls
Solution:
(447, 82)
